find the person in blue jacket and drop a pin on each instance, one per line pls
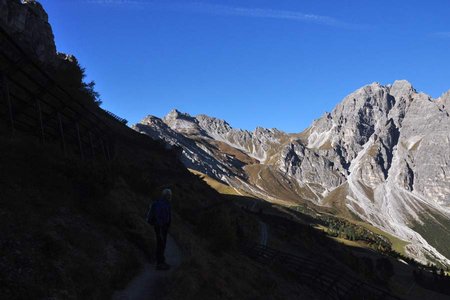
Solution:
(160, 216)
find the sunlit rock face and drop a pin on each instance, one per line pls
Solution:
(425, 140)
(389, 145)
(256, 144)
(307, 166)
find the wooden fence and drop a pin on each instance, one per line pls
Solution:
(330, 283)
(34, 103)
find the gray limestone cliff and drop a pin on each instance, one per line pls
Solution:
(387, 145)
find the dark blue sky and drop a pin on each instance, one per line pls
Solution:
(254, 63)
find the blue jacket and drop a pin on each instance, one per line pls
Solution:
(160, 213)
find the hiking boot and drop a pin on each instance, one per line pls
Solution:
(162, 267)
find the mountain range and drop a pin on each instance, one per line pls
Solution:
(381, 156)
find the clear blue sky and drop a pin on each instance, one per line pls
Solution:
(254, 63)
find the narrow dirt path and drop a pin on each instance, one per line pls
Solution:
(145, 285)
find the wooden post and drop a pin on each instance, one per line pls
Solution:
(104, 151)
(92, 146)
(41, 123)
(79, 141)
(107, 151)
(8, 102)
(61, 132)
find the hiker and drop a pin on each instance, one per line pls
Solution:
(160, 217)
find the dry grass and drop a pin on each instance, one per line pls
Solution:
(69, 229)
(236, 153)
(81, 229)
(373, 151)
(356, 244)
(398, 245)
(326, 146)
(369, 192)
(225, 275)
(217, 185)
(336, 199)
(282, 190)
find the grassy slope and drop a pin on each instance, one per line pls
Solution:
(74, 230)
(436, 230)
(350, 257)
(278, 187)
(336, 199)
(402, 280)
(397, 244)
(68, 230)
(216, 185)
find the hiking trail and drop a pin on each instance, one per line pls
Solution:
(145, 285)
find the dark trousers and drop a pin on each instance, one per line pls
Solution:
(161, 239)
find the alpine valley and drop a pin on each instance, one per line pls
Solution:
(381, 157)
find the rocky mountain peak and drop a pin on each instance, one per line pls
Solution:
(212, 124)
(262, 130)
(150, 120)
(370, 89)
(445, 95)
(183, 123)
(176, 114)
(444, 100)
(402, 88)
